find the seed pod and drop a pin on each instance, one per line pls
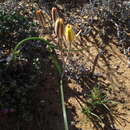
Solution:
(59, 27)
(40, 17)
(53, 14)
(69, 34)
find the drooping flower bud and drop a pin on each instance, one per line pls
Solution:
(40, 17)
(59, 27)
(53, 14)
(69, 34)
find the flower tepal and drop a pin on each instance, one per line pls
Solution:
(69, 34)
(59, 27)
(53, 14)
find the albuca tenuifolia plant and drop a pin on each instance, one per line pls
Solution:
(69, 37)
(100, 110)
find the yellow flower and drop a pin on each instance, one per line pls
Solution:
(59, 27)
(69, 34)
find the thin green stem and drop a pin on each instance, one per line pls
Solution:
(62, 91)
(63, 105)
(21, 43)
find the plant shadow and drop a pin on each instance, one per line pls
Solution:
(102, 112)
